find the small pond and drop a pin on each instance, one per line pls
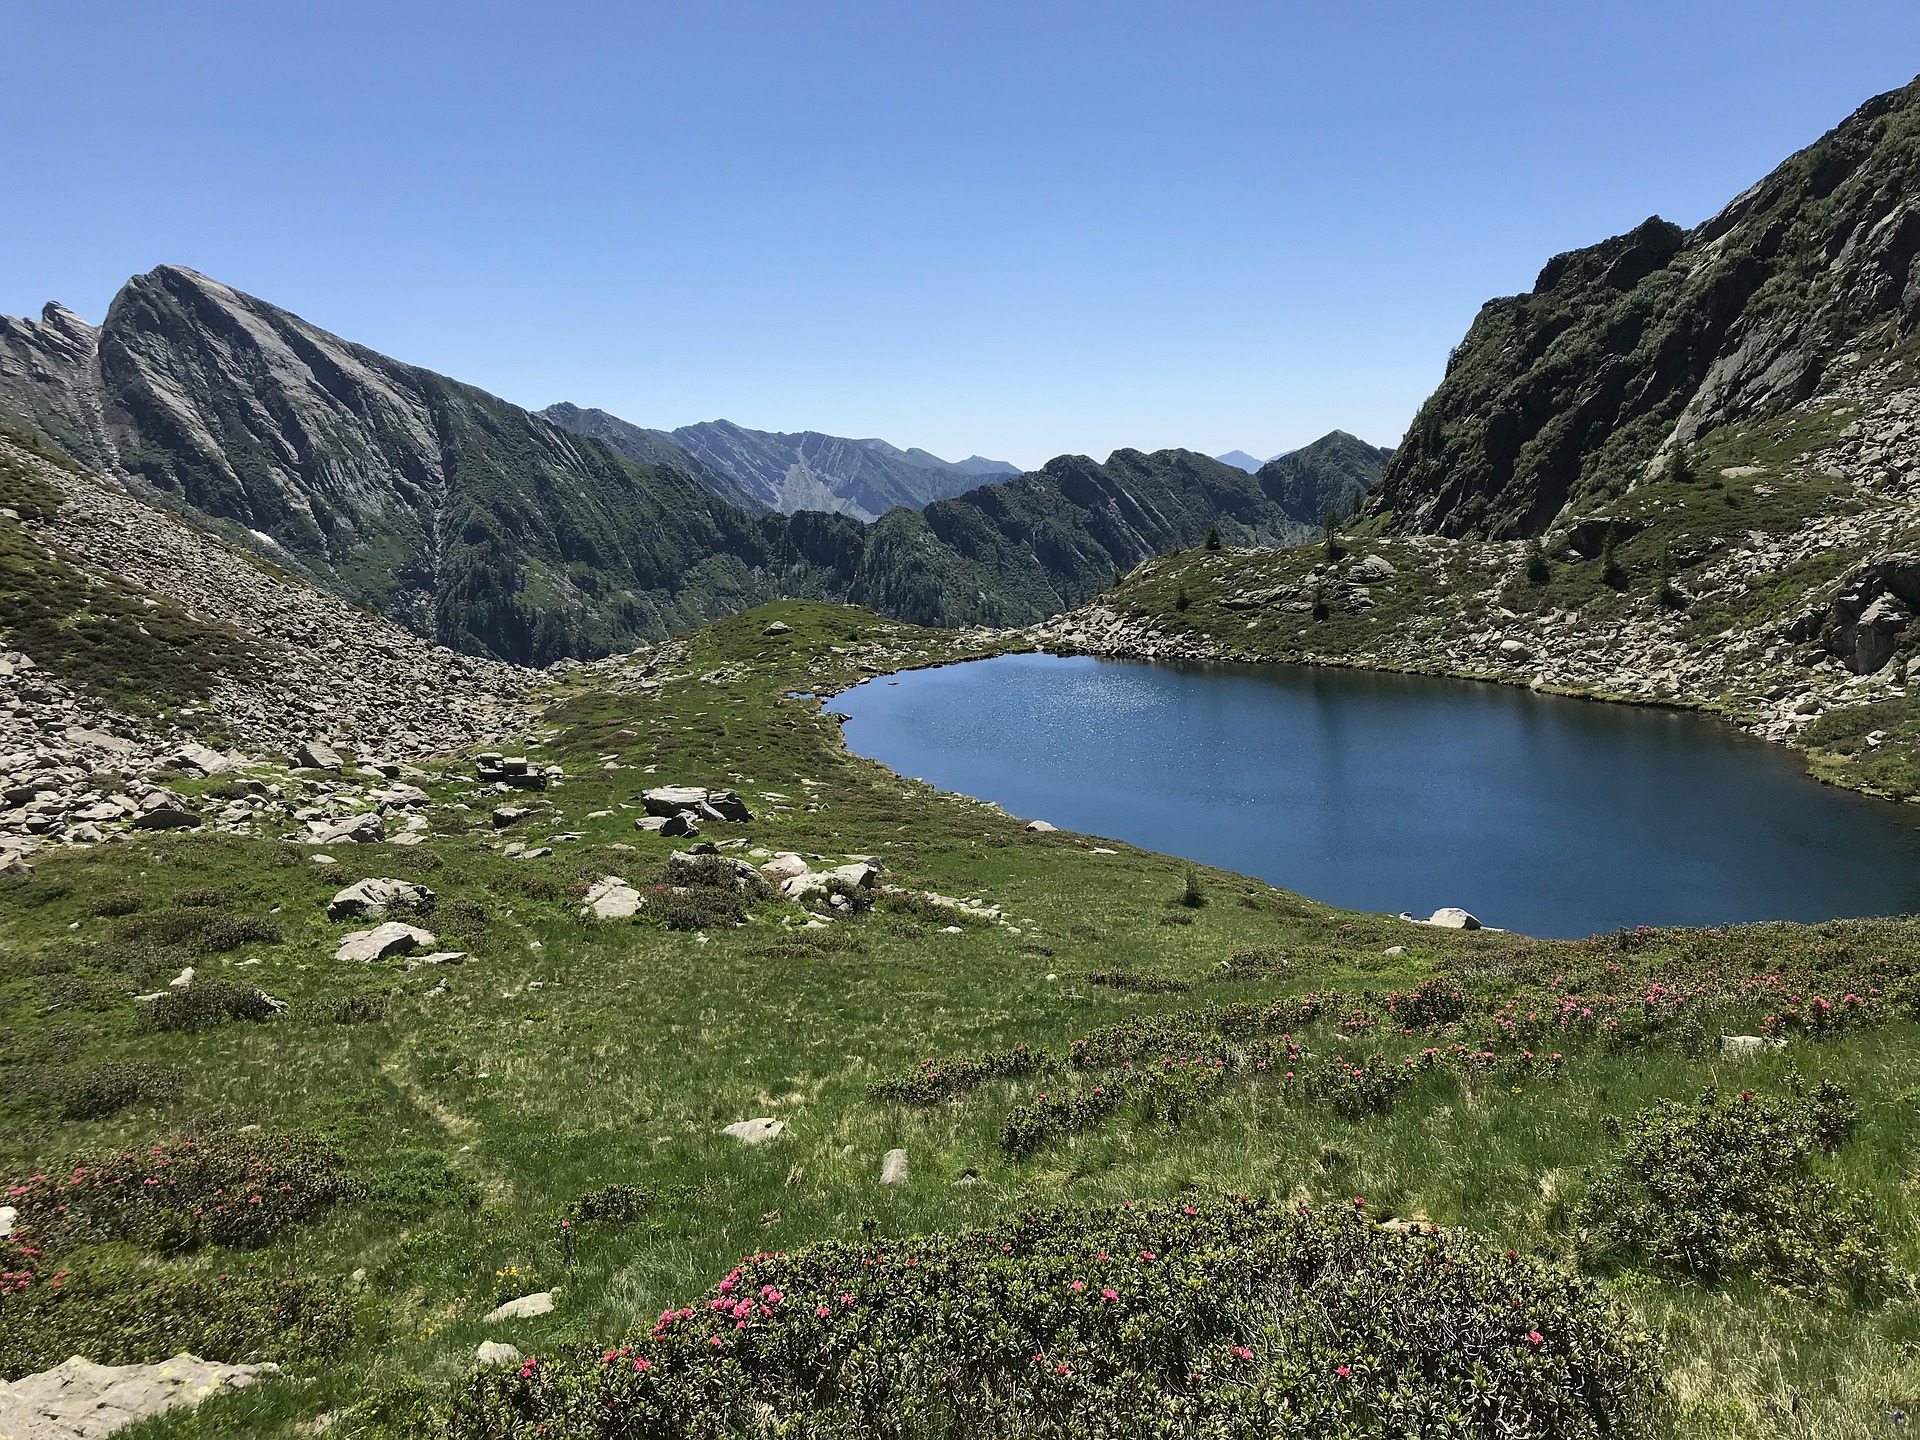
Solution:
(1391, 792)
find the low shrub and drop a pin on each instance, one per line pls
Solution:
(206, 1004)
(121, 902)
(1232, 1319)
(127, 1315)
(686, 907)
(410, 1184)
(925, 908)
(230, 932)
(611, 1205)
(1130, 980)
(1720, 1188)
(932, 1081)
(202, 897)
(367, 1008)
(224, 1187)
(93, 1092)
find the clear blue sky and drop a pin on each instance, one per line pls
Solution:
(1016, 227)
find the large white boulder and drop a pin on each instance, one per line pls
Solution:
(611, 898)
(79, 1400)
(392, 938)
(375, 899)
(524, 1308)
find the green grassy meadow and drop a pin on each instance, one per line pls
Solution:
(565, 1055)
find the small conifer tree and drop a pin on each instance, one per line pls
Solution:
(1679, 468)
(1538, 570)
(1213, 537)
(1330, 532)
(1183, 599)
(1612, 572)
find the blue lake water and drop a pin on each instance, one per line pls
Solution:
(1389, 792)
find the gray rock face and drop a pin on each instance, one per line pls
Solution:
(378, 898)
(79, 1400)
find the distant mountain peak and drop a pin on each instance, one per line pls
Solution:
(1240, 460)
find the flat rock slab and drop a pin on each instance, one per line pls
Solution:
(392, 938)
(79, 1400)
(525, 1308)
(611, 898)
(756, 1132)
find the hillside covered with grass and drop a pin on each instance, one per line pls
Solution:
(1182, 1153)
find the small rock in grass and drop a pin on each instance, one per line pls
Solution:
(1394, 950)
(524, 1308)
(182, 980)
(8, 1214)
(951, 930)
(756, 1132)
(778, 627)
(1041, 827)
(1452, 917)
(893, 1169)
(1748, 1047)
(496, 1352)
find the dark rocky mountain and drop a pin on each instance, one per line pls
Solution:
(1336, 472)
(787, 473)
(495, 531)
(1565, 397)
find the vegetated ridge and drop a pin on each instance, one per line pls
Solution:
(1685, 469)
(496, 532)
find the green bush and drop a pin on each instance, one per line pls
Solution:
(121, 902)
(611, 1205)
(206, 1004)
(230, 932)
(225, 1187)
(412, 1183)
(932, 1081)
(93, 1092)
(1141, 984)
(1235, 1318)
(1721, 1188)
(685, 907)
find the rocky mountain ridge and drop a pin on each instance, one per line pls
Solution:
(763, 470)
(1634, 349)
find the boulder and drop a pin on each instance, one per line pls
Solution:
(674, 827)
(378, 898)
(1371, 571)
(778, 627)
(893, 1169)
(1453, 917)
(505, 815)
(392, 938)
(367, 829)
(1515, 651)
(202, 758)
(667, 800)
(725, 805)
(317, 755)
(611, 898)
(496, 1352)
(166, 817)
(756, 1132)
(8, 1214)
(524, 1308)
(861, 874)
(79, 1400)
(1748, 1047)
(784, 866)
(1041, 827)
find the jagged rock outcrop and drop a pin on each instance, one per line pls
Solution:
(1561, 398)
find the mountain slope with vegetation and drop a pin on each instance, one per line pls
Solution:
(497, 532)
(1625, 354)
